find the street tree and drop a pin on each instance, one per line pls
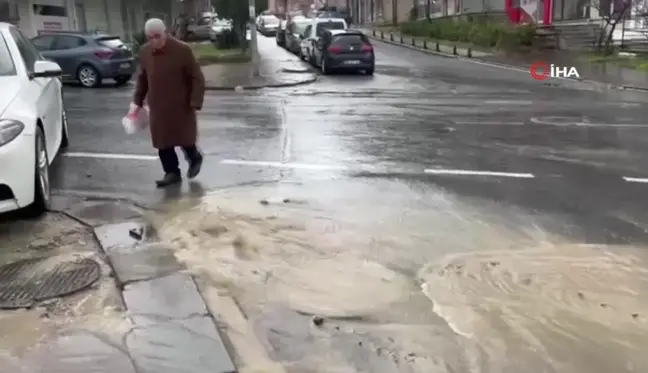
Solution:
(612, 15)
(237, 11)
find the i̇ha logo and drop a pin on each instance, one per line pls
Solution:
(543, 70)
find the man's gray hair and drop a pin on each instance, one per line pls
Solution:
(154, 26)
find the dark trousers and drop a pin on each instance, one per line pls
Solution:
(169, 158)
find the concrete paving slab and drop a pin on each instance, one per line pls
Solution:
(111, 236)
(79, 352)
(196, 348)
(172, 297)
(95, 213)
(143, 262)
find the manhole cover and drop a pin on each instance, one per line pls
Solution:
(26, 282)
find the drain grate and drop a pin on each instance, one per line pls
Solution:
(26, 282)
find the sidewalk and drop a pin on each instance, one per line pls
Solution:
(278, 68)
(608, 74)
(145, 314)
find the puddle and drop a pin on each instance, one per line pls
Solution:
(575, 305)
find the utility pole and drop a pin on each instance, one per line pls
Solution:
(254, 46)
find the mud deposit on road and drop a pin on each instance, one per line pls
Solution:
(395, 298)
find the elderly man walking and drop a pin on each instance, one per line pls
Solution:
(173, 85)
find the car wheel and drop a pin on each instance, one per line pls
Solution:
(311, 59)
(88, 76)
(42, 194)
(65, 140)
(369, 71)
(122, 80)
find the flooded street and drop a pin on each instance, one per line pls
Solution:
(440, 216)
(406, 291)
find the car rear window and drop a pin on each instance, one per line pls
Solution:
(114, 43)
(271, 20)
(350, 39)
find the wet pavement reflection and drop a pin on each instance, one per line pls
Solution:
(440, 216)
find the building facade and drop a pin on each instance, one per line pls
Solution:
(119, 17)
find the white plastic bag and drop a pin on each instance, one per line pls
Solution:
(136, 120)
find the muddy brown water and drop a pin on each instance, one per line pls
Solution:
(435, 285)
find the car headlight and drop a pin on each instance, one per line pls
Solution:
(9, 130)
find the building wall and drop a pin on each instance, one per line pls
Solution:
(363, 11)
(118, 17)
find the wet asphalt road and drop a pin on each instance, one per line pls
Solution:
(431, 156)
(417, 113)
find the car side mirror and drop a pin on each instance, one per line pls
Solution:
(46, 69)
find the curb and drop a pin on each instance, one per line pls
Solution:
(501, 65)
(272, 85)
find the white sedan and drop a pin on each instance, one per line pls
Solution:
(33, 123)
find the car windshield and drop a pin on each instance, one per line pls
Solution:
(329, 26)
(271, 20)
(300, 27)
(7, 67)
(114, 43)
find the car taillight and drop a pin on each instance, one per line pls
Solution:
(334, 49)
(104, 53)
(367, 48)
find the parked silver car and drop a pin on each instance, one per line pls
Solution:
(218, 27)
(88, 58)
(268, 25)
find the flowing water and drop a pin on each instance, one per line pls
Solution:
(413, 279)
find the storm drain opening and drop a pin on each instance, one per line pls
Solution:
(26, 282)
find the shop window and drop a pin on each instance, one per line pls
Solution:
(49, 10)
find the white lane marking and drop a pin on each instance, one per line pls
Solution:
(442, 171)
(508, 102)
(303, 166)
(635, 179)
(322, 167)
(133, 157)
(490, 123)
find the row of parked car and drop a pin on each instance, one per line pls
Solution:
(327, 44)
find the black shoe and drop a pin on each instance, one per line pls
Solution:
(169, 179)
(194, 167)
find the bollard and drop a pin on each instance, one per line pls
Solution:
(382, 35)
(469, 53)
(454, 50)
(437, 47)
(391, 36)
(424, 44)
(401, 40)
(413, 42)
(374, 32)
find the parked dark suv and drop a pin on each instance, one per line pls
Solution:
(88, 58)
